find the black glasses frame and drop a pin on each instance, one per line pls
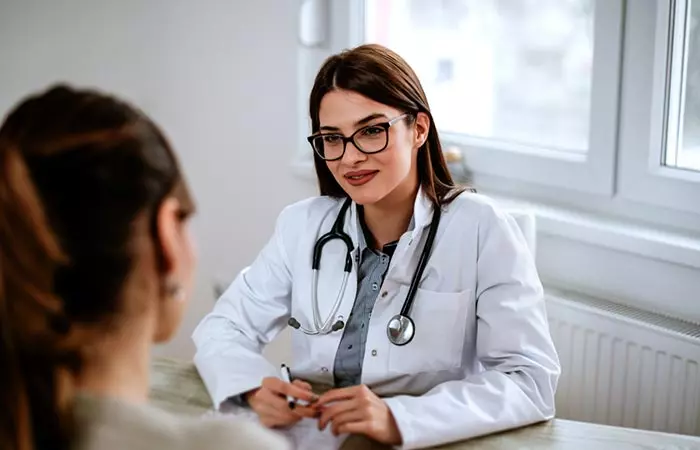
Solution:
(386, 125)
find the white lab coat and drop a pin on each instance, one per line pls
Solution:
(482, 359)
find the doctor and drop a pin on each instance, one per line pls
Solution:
(417, 301)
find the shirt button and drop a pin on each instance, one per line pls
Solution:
(374, 352)
(375, 286)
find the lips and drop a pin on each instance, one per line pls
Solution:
(360, 177)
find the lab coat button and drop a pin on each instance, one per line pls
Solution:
(384, 294)
(324, 369)
(374, 352)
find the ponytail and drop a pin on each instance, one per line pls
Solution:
(31, 320)
(76, 168)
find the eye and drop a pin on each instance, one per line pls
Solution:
(331, 139)
(372, 131)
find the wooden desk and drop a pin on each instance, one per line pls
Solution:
(177, 387)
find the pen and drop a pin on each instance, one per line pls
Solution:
(287, 377)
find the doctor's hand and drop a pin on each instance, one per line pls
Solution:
(270, 402)
(358, 410)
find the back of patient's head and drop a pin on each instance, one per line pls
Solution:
(92, 203)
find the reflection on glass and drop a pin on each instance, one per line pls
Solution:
(511, 70)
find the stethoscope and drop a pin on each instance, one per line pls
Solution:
(401, 329)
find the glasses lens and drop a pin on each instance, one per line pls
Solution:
(328, 146)
(372, 139)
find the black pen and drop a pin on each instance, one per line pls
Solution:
(287, 377)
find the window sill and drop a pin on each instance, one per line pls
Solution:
(618, 261)
(626, 237)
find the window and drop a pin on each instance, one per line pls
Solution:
(512, 71)
(599, 98)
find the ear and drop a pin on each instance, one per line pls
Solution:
(175, 269)
(170, 236)
(422, 127)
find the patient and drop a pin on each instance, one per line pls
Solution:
(96, 265)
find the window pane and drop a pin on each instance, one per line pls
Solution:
(510, 70)
(686, 153)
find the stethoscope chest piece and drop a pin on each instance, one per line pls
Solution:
(400, 330)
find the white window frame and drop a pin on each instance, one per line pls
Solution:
(645, 83)
(613, 223)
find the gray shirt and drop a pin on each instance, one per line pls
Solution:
(373, 266)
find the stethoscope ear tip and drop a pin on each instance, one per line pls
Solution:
(294, 323)
(339, 325)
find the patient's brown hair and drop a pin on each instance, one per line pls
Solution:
(77, 167)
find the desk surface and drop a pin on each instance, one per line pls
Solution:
(177, 387)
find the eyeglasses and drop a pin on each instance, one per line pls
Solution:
(370, 139)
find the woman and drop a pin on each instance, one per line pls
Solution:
(480, 358)
(96, 265)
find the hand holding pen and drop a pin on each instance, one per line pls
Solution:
(271, 402)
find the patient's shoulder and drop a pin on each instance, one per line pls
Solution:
(107, 424)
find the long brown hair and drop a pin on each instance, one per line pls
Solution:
(77, 167)
(380, 74)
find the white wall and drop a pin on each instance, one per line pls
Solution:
(219, 76)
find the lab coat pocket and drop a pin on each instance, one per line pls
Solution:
(441, 321)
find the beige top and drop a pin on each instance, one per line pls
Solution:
(108, 424)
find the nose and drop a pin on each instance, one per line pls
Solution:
(352, 154)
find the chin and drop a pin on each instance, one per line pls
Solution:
(364, 196)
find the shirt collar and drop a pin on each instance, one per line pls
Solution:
(362, 242)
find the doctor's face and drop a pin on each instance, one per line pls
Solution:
(378, 177)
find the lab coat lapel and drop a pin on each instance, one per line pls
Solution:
(405, 258)
(422, 212)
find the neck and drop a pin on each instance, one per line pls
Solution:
(388, 219)
(118, 367)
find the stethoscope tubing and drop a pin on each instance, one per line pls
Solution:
(422, 262)
(338, 233)
(323, 327)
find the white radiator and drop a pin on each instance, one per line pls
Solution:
(626, 367)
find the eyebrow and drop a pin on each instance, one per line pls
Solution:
(360, 122)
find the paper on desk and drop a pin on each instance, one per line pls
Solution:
(304, 434)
